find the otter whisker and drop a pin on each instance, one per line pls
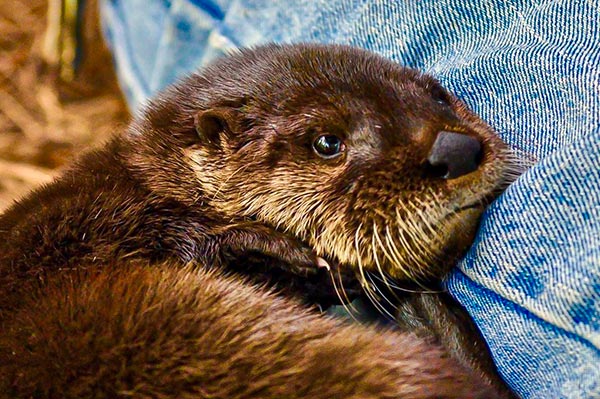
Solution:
(424, 210)
(379, 306)
(425, 221)
(349, 308)
(367, 289)
(430, 213)
(361, 270)
(425, 241)
(401, 261)
(426, 218)
(386, 280)
(343, 290)
(408, 290)
(364, 282)
(402, 227)
(395, 255)
(410, 250)
(373, 294)
(376, 243)
(421, 261)
(430, 239)
(418, 209)
(517, 157)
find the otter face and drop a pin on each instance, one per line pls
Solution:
(372, 164)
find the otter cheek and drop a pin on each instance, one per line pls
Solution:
(460, 232)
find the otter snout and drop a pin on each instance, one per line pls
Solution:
(453, 155)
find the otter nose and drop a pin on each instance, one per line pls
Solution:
(454, 155)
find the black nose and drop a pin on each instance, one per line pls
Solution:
(454, 155)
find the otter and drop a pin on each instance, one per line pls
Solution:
(274, 161)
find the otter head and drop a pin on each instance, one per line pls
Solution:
(373, 165)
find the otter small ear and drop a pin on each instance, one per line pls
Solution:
(213, 123)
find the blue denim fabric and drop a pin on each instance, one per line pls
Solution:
(531, 69)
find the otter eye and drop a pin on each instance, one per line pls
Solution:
(328, 146)
(440, 95)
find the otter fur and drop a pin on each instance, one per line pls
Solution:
(111, 277)
(158, 331)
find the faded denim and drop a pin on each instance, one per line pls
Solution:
(530, 68)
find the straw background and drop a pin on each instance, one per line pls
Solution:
(45, 121)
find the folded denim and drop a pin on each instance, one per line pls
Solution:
(531, 69)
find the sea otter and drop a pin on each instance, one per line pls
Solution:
(271, 160)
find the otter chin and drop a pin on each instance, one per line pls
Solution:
(117, 279)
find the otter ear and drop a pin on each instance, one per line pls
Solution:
(214, 123)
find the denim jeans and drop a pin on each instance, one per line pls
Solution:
(531, 69)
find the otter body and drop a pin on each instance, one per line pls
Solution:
(265, 162)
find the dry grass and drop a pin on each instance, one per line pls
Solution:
(45, 121)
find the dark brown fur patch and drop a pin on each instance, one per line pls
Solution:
(161, 332)
(92, 298)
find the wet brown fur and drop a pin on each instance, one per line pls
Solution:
(195, 334)
(219, 169)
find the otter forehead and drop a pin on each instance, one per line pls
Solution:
(333, 77)
(352, 88)
(275, 72)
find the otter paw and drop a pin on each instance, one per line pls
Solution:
(300, 260)
(281, 250)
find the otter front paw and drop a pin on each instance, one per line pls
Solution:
(257, 243)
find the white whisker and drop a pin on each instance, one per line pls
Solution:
(377, 303)
(404, 289)
(348, 307)
(376, 243)
(364, 282)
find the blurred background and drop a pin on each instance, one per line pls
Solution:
(53, 102)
